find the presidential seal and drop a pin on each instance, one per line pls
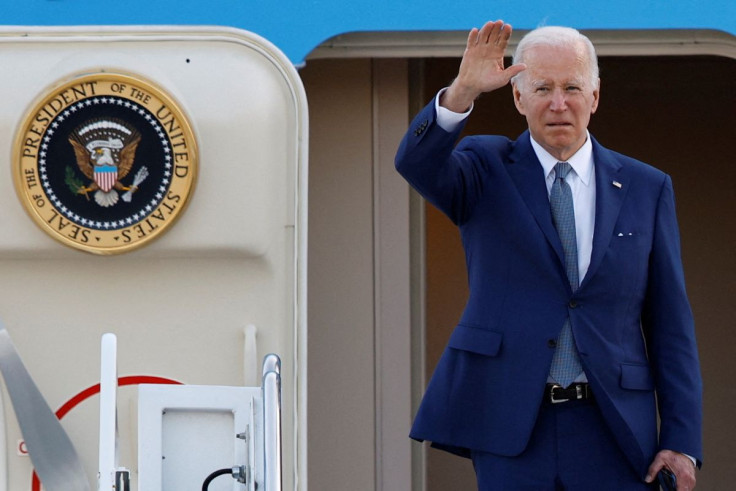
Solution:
(105, 162)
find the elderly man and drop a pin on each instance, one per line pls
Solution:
(577, 328)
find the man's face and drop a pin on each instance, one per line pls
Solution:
(557, 98)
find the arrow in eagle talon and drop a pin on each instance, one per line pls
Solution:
(140, 176)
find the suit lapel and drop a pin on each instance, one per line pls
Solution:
(611, 186)
(526, 171)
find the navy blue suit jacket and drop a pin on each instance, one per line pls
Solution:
(630, 316)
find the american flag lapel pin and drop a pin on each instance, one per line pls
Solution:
(617, 184)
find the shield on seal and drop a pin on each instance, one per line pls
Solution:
(106, 176)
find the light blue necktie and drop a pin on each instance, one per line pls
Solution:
(566, 361)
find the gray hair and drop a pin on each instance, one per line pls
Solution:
(560, 37)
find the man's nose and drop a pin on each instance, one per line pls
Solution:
(559, 101)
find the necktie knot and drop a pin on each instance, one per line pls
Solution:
(562, 169)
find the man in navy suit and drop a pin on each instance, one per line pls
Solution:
(577, 332)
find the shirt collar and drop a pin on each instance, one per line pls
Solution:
(581, 162)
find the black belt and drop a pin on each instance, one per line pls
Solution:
(574, 392)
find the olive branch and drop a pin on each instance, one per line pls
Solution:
(71, 180)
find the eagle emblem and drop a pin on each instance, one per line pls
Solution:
(105, 152)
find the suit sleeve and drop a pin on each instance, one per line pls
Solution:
(668, 324)
(448, 177)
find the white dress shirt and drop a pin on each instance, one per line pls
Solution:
(582, 184)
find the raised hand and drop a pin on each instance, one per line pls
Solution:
(481, 69)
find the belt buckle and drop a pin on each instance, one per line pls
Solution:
(552, 394)
(578, 393)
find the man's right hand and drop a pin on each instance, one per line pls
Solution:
(481, 69)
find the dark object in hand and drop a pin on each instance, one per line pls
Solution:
(667, 480)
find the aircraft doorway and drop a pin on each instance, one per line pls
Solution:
(679, 115)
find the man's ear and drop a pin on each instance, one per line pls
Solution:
(518, 99)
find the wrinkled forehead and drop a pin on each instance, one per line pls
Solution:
(567, 64)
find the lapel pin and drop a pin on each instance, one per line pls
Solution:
(617, 184)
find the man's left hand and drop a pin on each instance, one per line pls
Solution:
(680, 465)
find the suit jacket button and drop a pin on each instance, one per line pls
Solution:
(551, 343)
(573, 304)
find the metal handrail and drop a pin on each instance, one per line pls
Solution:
(272, 422)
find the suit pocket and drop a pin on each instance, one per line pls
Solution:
(476, 340)
(636, 377)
